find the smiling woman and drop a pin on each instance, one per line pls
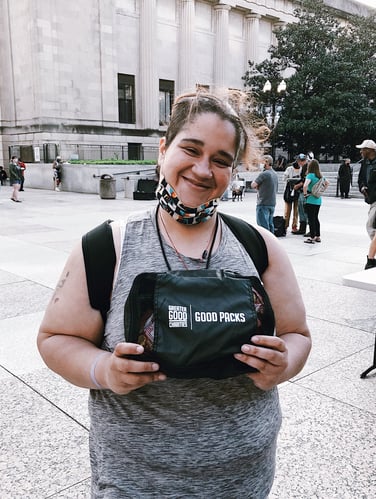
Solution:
(190, 435)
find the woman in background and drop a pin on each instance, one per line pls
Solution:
(312, 202)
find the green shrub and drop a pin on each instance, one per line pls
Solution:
(110, 162)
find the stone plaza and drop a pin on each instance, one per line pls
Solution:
(327, 443)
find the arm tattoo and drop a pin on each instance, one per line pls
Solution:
(60, 285)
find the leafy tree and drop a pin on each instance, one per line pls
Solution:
(330, 101)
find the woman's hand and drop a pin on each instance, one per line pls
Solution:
(267, 354)
(122, 375)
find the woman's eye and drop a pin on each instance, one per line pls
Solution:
(191, 150)
(222, 163)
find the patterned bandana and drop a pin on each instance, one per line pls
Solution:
(169, 201)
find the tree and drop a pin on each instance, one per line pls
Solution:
(330, 101)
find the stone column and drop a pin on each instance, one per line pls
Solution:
(148, 83)
(277, 26)
(252, 26)
(221, 48)
(186, 58)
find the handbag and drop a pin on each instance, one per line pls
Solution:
(191, 322)
(319, 187)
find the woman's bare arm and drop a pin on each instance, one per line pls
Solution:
(281, 357)
(71, 333)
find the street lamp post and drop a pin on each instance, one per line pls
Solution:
(272, 110)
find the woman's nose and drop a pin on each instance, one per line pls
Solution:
(202, 167)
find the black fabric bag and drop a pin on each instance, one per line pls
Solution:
(279, 226)
(192, 322)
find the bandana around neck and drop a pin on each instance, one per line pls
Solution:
(169, 201)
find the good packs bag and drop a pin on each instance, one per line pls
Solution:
(192, 322)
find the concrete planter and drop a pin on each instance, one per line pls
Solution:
(85, 178)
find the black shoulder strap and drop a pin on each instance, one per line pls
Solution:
(100, 258)
(251, 239)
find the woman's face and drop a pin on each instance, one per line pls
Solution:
(198, 162)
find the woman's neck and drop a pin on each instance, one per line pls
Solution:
(189, 240)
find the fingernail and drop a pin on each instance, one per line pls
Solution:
(139, 349)
(155, 367)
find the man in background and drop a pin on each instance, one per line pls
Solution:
(367, 186)
(301, 162)
(266, 184)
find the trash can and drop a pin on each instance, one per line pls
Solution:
(107, 187)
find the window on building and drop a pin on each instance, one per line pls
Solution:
(126, 99)
(166, 98)
(135, 151)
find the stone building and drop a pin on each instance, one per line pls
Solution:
(93, 79)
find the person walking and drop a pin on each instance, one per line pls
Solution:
(15, 178)
(367, 186)
(266, 184)
(301, 162)
(313, 203)
(291, 176)
(196, 435)
(345, 177)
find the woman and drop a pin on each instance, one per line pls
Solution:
(291, 196)
(313, 203)
(157, 436)
(15, 178)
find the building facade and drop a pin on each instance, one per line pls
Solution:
(94, 79)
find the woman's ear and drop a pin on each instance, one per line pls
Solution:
(162, 150)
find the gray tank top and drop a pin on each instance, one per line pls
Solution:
(192, 438)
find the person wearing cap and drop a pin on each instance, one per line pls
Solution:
(367, 186)
(301, 162)
(266, 184)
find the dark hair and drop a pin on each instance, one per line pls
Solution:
(188, 106)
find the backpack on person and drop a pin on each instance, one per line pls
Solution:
(100, 258)
(320, 187)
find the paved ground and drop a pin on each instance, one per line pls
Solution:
(327, 442)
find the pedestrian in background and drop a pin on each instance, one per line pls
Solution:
(57, 167)
(266, 184)
(367, 186)
(15, 178)
(23, 168)
(292, 176)
(3, 175)
(313, 203)
(345, 177)
(301, 162)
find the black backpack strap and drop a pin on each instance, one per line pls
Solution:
(100, 258)
(251, 239)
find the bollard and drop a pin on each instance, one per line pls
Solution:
(107, 187)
